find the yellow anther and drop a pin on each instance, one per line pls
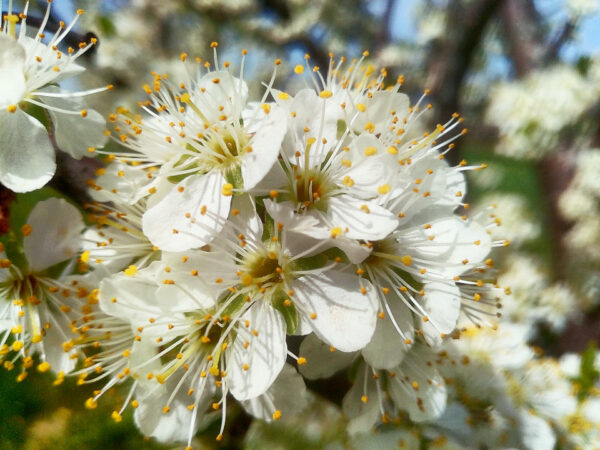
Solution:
(336, 232)
(299, 69)
(247, 279)
(325, 94)
(361, 107)
(131, 271)
(43, 367)
(90, 403)
(370, 151)
(406, 260)
(26, 229)
(384, 189)
(301, 361)
(276, 415)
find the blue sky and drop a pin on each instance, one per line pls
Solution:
(404, 28)
(587, 42)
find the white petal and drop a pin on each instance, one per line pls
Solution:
(177, 423)
(38, 78)
(74, 134)
(131, 298)
(442, 182)
(275, 178)
(418, 387)
(378, 109)
(265, 356)
(130, 183)
(188, 292)
(56, 234)
(387, 348)
(230, 93)
(246, 221)
(287, 394)
(54, 354)
(319, 117)
(321, 362)
(169, 214)
(5, 274)
(363, 415)
(372, 222)
(306, 224)
(442, 305)
(26, 154)
(345, 318)
(536, 432)
(454, 242)
(265, 147)
(12, 76)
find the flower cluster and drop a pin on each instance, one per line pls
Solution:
(31, 69)
(226, 224)
(529, 121)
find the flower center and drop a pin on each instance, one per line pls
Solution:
(382, 253)
(262, 269)
(312, 189)
(227, 146)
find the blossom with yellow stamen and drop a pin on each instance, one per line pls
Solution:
(37, 309)
(29, 72)
(207, 144)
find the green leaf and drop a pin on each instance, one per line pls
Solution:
(588, 373)
(107, 26)
(289, 313)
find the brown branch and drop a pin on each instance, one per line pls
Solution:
(522, 27)
(563, 36)
(452, 58)
(6, 197)
(382, 38)
(527, 51)
(556, 172)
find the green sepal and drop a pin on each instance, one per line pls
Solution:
(234, 306)
(334, 252)
(268, 229)
(182, 164)
(289, 313)
(309, 263)
(233, 175)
